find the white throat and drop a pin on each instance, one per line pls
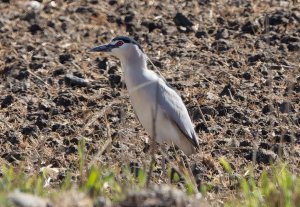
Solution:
(134, 67)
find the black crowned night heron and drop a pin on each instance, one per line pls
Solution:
(158, 107)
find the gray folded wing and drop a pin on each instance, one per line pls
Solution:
(171, 103)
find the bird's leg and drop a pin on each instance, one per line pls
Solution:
(163, 165)
(163, 160)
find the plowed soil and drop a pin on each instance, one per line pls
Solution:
(238, 60)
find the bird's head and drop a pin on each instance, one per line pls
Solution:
(121, 47)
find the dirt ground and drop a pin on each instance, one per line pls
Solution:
(238, 60)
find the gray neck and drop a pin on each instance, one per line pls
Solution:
(134, 66)
(135, 60)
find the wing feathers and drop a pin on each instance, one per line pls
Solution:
(176, 111)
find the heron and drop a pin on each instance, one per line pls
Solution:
(158, 107)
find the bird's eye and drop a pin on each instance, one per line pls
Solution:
(120, 43)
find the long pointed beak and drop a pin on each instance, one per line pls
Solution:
(102, 48)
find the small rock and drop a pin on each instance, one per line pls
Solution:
(29, 16)
(201, 127)
(8, 100)
(113, 2)
(44, 106)
(114, 80)
(182, 20)
(35, 66)
(129, 17)
(234, 63)
(57, 72)
(64, 26)
(153, 25)
(268, 108)
(28, 130)
(220, 20)
(23, 74)
(75, 81)
(63, 99)
(182, 29)
(163, 196)
(211, 96)
(41, 121)
(262, 156)
(71, 149)
(233, 25)
(277, 19)
(51, 24)
(250, 27)
(227, 91)
(84, 9)
(265, 145)
(265, 156)
(293, 47)
(282, 47)
(102, 202)
(11, 137)
(239, 115)
(288, 137)
(254, 58)
(93, 1)
(296, 88)
(247, 76)
(289, 39)
(208, 110)
(34, 28)
(198, 169)
(264, 132)
(286, 107)
(222, 34)
(157, 63)
(65, 58)
(112, 67)
(27, 200)
(35, 5)
(216, 129)
(259, 44)
(245, 143)
(211, 30)
(74, 141)
(204, 2)
(220, 45)
(56, 127)
(222, 109)
(201, 34)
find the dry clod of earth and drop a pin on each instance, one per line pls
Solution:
(162, 196)
(27, 200)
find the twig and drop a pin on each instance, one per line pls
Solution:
(206, 79)
(5, 123)
(106, 144)
(230, 94)
(202, 116)
(36, 76)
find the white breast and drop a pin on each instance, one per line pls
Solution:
(141, 90)
(142, 87)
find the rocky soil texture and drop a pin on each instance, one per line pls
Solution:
(238, 60)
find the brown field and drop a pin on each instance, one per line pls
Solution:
(238, 60)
